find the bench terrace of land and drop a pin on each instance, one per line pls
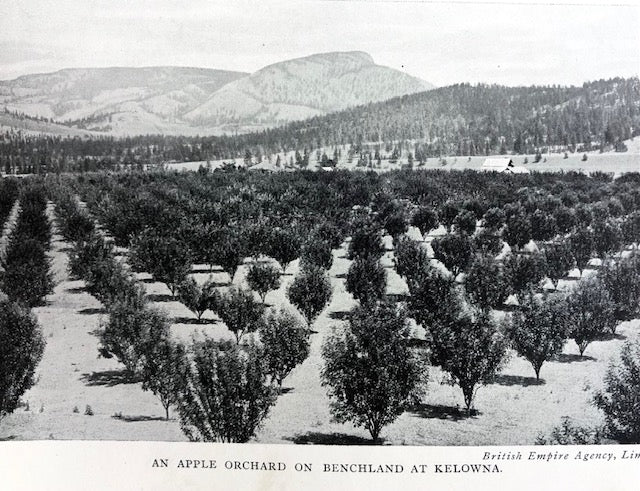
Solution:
(508, 251)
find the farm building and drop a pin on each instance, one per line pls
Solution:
(503, 164)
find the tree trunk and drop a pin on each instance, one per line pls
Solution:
(166, 412)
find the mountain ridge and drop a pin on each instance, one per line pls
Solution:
(191, 100)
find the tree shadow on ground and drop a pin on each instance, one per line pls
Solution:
(610, 336)
(147, 280)
(8, 438)
(108, 378)
(66, 249)
(502, 379)
(340, 275)
(340, 315)
(215, 269)
(440, 411)
(135, 419)
(92, 311)
(563, 358)
(78, 289)
(315, 438)
(191, 320)
(161, 297)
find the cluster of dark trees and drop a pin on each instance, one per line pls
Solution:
(25, 279)
(461, 119)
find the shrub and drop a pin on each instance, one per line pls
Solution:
(569, 434)
(524, 271)
(426, 219)
(486, 284)
(366, 280)
(263, 278)
(559, 261)
(317, 253)
(470, 348)
(21, 349)
(454, 251)
(539, 329)
(196, 298)
(310, 293)
(223, 395)
(328, 232)
(619, 399)
(371, 373)
(284, 246)
(239, 311)
(465, 222)
(285, 342)
(591, 313)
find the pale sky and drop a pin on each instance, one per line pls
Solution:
(441, 42)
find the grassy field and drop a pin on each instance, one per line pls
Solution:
(82, 396)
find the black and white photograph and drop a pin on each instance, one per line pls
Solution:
(351, 223)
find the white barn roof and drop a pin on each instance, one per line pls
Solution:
(498, 163)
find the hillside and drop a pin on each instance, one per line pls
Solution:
(302, 88)
(469, 119)
(190, 101)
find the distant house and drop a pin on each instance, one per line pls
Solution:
(503, 164)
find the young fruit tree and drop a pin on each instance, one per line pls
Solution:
(525, 272)
(366, 241)
(619, 399)
(366, 280)
(263, 278)
(286, 344)
(486, 284)
(591, 313)
(455, 251)
(21, 349)
(316, 253)
(433, 297)
(581, 243)
(448, 213)
(167, 259)
(607, 237)
(410, 257)
(371, 373)
(538, 330)
(425, 219)
(559, 261)
(396, 224)
(223, 395)
(162, 364)
(25, 275)
(310, 293)
(129, 332)
(493, 219)
(284, 246)
(543, 226)
(465, 222)
(239, 311)
(470, 348)
(488, 242)
(622, 280)
(198, 299)
(517, 233)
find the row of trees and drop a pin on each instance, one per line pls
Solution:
(25, 279)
